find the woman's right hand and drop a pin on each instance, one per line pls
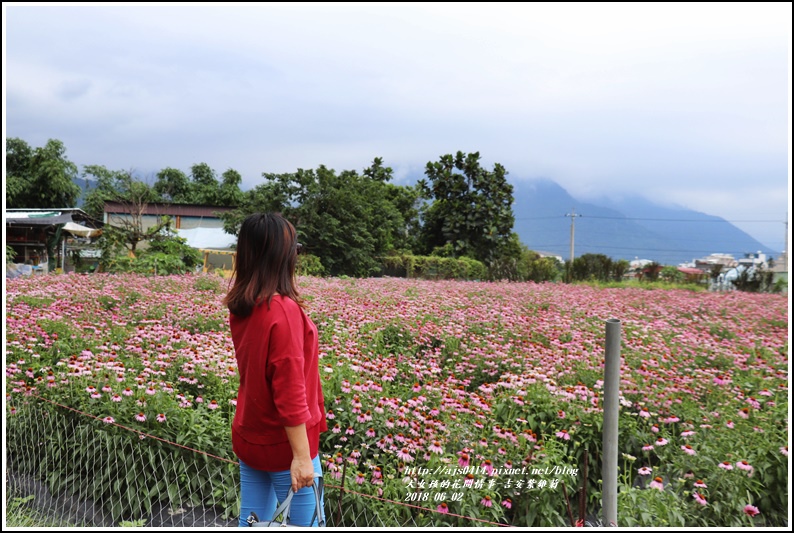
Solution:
(302, 473)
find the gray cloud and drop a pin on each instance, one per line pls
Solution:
(682, 103)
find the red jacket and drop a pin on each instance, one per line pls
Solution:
(277, 354)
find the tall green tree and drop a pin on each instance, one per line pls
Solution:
(173, 185)
(204, 188)
(229, 193)
(471, 209)
(39, 178)
(347, 220)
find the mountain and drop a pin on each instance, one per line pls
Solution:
(621, 229)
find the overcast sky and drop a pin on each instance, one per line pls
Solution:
(687, 104)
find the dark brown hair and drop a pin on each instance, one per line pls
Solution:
(267, 250)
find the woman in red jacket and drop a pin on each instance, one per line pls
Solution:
(280, 409)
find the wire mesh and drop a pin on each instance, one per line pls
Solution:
(71, 469)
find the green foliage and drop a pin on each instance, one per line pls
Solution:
(756, 280)
(204, 187)
(39, 178)
(592, 267)
(346, 220)
(433, 267)
(166, 254)
(472, 207)
(208, 283)
(309, 265)
(10, 254)
(671, 274)
(172, 185)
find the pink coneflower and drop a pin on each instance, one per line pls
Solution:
(700, 499)
(96, 395)
(213, 405)
(417, 387)
(655, 428)
(689, 475)
(657, 483)
(350, 431)
(563, 434)
(151, 391)
(784, 450)
(486, 501)
(507, 502)
(730, 424)
(502, 451)
(688, 449)
(726, 465)
(488, 467)
(376, 473)
(560, 414)
(436, 447)
(483, 442)
(687, 433)
(645, 413)
(647, 447)
(661, 441)
(108, 420)
(336, 429)
(699, 484)
(751, 510)
(127, 392)
(360, 478)
(442, 508)
(330, 415)
(107, 388)
(370, 433)
(160, 417)
(757, 429)
(744, 412)
(140, 417)
(199, 399)
(90, 389)
(464, 459)
(744, 465)
(404, 455)
(644, 471)
(115, 398)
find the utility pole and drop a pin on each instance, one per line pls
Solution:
(573, 216)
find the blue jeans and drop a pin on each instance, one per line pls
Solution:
(260, 492)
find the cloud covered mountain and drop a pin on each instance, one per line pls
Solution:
(626, 228)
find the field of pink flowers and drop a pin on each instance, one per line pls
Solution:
(425, 377)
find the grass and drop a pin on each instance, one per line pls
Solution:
(19, 513)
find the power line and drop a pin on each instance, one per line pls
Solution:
(654, 219)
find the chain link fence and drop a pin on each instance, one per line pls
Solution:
(66, 468)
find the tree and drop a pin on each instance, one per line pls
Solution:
(229, 193)
(173, 185)
(39, 178)
(347, 220)
(471, 207)
(128, 230)
(592, 267)
(204, 187)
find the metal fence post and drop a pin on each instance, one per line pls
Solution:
(609, 469)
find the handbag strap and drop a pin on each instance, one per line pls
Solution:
(318, 514)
